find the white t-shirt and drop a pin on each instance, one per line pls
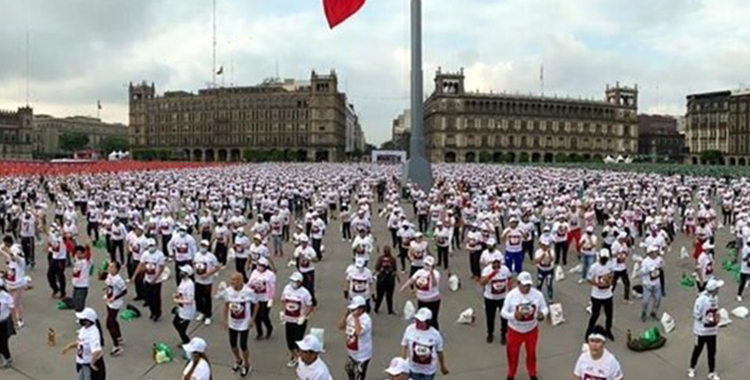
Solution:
(114, 287)
(529, 305)
(202, 370)
(427, 289)
(499, 284)
(57, 248)
(240, 307)
(359, 347)
(304, 257)
(152, 262)
(15, 277)
(598, 273)
(547, 259)
(315, 371)
(650, 270)
(6, 303)
(360, 281)
(136, 245)
(81, 270)
(513, 239)
(203, 264)
(297, 302)
(706, 266)
(262, 284)
(422, 347)
(89, 342)
(706, 315)
(620, 253)
(606, 368)
(186, 292)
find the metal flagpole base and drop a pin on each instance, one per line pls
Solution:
(417, 170)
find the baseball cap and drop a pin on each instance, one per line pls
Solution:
(88, 314)
(424, 314)
(429, 260)
(304, 239)
(205, 243)
(714, 284)
(652, 248)
(397, 367)
(195, 345)
(418, 235)
(604, 253)
(622, 235)
(150, 243)
(257, 237)
(357, 302)
(310, 343)
(525, 278)
(590, 229)
(187, 269)
(359, 262)
(296, 277)
(263, 261)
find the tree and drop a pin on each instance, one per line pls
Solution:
(523, 157)
(113, 143)
(712, 157)
(485, 157)
(73, 141)
(561, 157)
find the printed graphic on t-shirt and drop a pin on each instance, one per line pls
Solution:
(709, 268)
(182, 248)
(711, 319)
(527, 311)
(421, 353)
(293, 308)
(359, 286)
(237, 310)
(259, 286)
(499, 286)
(621, 257)
(352, 341)
(200, 268)
(654, 274)
(150, 269)
(587, 376)
(11, 275)
(422, 283)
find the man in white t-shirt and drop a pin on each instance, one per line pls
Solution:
(311, 366)
(600, 277)
(497, 281)
(588, 252)
(596, 362)
(422, 347)
(706, 327)
(357, 326)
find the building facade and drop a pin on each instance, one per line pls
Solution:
(719, 121)
(355, 136)
(48, 129)
(16, 134)
(296, 120)
(401, 131)
(464, 126)
(659, 139)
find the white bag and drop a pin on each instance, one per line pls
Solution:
(684, 254)
(231, 254)
(741, 312)
(636, 269)
(454, 283)
(576, 269)
(221, 292)
(667, 322)
(556, 314)
(165, 274)
(467, 317)
(559, 273)
(409, 310)
(319, 333)
(724, 318)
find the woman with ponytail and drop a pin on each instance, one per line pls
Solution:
(198, 368)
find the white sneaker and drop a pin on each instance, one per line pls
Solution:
(580, 281)
(207, 322)
(739, 298)
(713, 376)
(292, 363)
(691, 373)
(199, 317)
(588, 309)
(20, 324)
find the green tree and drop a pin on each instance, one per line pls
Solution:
(73, 141)
(110, 144)
(712, 157)
(561, 157)
(523, 157)
(485, 157)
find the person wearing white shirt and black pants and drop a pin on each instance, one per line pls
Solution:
(185, 300)
(427, 284)
(311, 367)
(238, 317)
(6, 324)
(706, 327)
(597, 363)
(152, 264)
(744, 268)
(297, 306)
(357, 326)
(206, 265)
(422, 347)
(524, 308)
(114, 292)
(89, 345)
(600, 277)
(497, 281)
(198, 368)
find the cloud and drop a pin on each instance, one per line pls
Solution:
(84, 50)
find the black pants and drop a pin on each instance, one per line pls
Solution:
(99, 374)
(356, 370)
(403, 255)
(181, 325)
(491, 307)
(4, 337)
(700, 341)
(263, 319)
(384, 289)
(285, 232)
(346, 230)
(221, 253)
(316, 244)
(442, 256)
(153, 299)
(27, 245)
(596, 307)
(623, 274)
(238, 338)
(422, 220)
(394, 237)
(203, 302)
(56, 276)
(113, 326)
(561, 252)
(294, 333)
(434, 307)
(164, 241)
(308, 282)
(744, 278)
(117, 246)
(240, 264)
(528, 247)
(474, 256)
(79, 298)
(92, 230)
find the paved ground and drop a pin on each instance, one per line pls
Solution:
(468, 356)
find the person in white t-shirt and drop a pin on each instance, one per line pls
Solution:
(152, 266)
(184, 298)
(426, 282)
(297, 307)
(596, 362)
(80, 277)
(704, 267)
(15, 276)
(497, 281)
(357, 326)
(744, 256)
(6, 312)
(651, 269)
(524, 308)
(198, 368)
(311, 367)
(206, 265)
(600, 277)
(706, 327)
(114, 294)
(422, 347)
(238, 319)
(398, 369)
(58, 255)
(544, 258)
(88, 345)
(589, 244)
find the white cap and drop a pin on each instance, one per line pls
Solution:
(418, 235)
(359, 262)
(652, 248)
(196, 345)
(524, 278)
(604, 253)
(205, 243)
(622, 235)
(181, 227)
(707, 246)
(512, 219)
(304, 239)
(590, 229)
(263, 261)
(257, 237)
(357, 302)
(310, 343)
(88, 314)
(150, 243)
(187, 269)
(424, 314)
(714, 284)
(296, 277)
(429, 260)
(398, 366)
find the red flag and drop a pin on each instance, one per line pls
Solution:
(337, 11)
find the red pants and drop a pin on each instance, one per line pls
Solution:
(574, 236)
(515, 340)
(697, 248)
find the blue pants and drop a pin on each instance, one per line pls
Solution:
(421, 376)
(586, 261)
(514, 261)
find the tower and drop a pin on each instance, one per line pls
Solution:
(449, 83)
(622, 96)
(139, 96)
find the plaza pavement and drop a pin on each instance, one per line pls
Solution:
(467, 355)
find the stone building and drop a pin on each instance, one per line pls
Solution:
(48, 129)
(16, 134)
(292, 120)
(355, 136)
(719, 121)
(659, 139)
(401, 131)
(464, 126)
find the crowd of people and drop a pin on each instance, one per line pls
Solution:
(515, 226)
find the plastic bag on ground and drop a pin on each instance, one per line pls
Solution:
(409, 310)
(556, 314)
(684, 254)
(667, 322)
(165, 274)
(724, 318)
(162, 353)
(741, 312)
(636, 268)
(221, 292)
(454, 283)
(559, 273)
(467, 317)
(576, 269)
(651, 335)
(231, 254)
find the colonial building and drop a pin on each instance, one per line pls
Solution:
(294, 120)
(48, 129)
(400, 131)
(659, 139)
(719, 121)
(16, 134)
(464, 126)
(355, 136)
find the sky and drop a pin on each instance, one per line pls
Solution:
(81, 51)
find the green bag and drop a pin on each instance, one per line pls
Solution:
(651, 336)
(101, 244)
(128, 315)
(687, 281)
(162, 353)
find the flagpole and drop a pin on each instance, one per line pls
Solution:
(213, 67)
(417, 169)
